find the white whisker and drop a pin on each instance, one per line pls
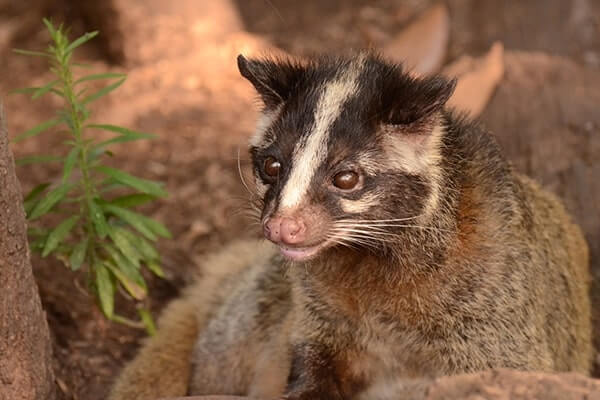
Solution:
(378, 228)
(366, 241)
(342, 243)
(360, 221)
(371, 239)
(239, 165)
(378, 232)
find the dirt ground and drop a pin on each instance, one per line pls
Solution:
(545, 114)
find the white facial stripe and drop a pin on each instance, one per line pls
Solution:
(413, 154)
(433, 154)
(418, 156)
(264, 122)
(369, 163)
(311, 152)
(360, 205)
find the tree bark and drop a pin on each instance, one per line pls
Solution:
(25, 348)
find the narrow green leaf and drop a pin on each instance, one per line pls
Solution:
(125, 135)
(122, 131)
(95, 77)
(134, 289)
(57, 92)
(145, 248)
(32, 197)
(123, 262)
(102, 92)
(81, 40)
(27, 90)
(31, 53)
(98, 218)
(147, 320)
(143, 185)
(81, 92)
(36, 130)
(125, 245)
(48, 202)
(132, 200)
(30, 90)
(155, 268)
(118, 139)
(38, 244)
(50, 28)
(36, 191)
(106, 289)
(95, 153)
(62, 251)
(78, 254)
(70, 163)
(36, 160)
(58, 234)
(134, 219)
(44, 89)
(82, 65)
(36, 231)
(110, 184)
(158, 228)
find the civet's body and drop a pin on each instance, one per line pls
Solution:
(405, 247)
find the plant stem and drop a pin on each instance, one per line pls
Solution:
(76, 125)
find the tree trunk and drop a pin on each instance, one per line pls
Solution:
(25, 349)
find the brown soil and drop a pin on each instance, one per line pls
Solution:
(546, 120)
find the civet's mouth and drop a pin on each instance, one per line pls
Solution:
(301, 253)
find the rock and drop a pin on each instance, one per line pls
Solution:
(492, 385)
(210, 398)
(514, 385)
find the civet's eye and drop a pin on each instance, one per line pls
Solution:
(346, 180)
(272, 167)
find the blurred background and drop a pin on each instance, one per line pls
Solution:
(529, 69)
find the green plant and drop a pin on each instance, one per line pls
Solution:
(96, 227)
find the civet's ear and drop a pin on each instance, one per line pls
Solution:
(274, 80)
(418, 98)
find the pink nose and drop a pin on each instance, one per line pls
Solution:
(285, 230)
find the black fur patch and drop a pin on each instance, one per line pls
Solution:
(274, 80)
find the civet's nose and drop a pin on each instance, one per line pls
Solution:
(285, 230)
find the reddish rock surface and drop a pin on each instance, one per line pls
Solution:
(494, 385)
(513, 385)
